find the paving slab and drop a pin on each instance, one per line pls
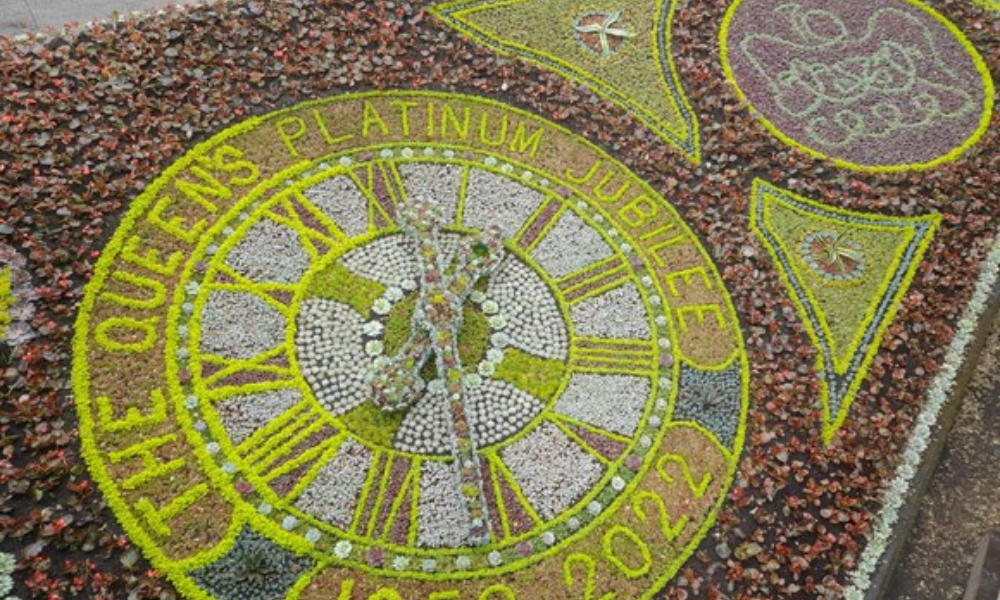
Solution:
(56, 13)
(26, 16)
(984, 583)
(16, 17)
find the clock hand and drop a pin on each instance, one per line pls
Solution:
(437, 321)
(396, 382)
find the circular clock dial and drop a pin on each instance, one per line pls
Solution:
(255, 289)
(563, 355)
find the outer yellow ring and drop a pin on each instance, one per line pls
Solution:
(176, 570)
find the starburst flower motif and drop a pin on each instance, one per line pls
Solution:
(601, 32)
(833, 255)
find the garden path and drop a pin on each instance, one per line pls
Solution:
(26, 16)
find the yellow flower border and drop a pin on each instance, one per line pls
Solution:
(449, 12)
(806, 304)
(980, 65)
(177, 570)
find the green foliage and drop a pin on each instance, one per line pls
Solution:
(6, 301)
(337, 283)
(369, 422)
(473, 340)
(540, 377)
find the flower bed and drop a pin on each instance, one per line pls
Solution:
(564, 317)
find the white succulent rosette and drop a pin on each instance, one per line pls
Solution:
(16, 299)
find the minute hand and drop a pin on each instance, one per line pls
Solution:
(437, 321)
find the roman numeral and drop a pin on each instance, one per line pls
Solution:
(516, 513)
(278, 295)
(370, 493)
(289, 448)
(538, 223)
(393, 505)
(381, 184)
(309, 220)
(603, 444)
(594, 279)
(225, 377)
(606, 355)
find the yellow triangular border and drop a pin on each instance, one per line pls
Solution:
(783, 263)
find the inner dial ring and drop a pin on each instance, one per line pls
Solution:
(385, 266)
(309, 465)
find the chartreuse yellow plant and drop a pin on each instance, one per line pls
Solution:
(228, 352)
(846, 272)
(620, 50)
(993, 5)
(6, 300)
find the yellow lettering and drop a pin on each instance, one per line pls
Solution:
(230, 160)
(626, 534)
(146, 328)
(610, 198)
(652, 234)
(445, 595)
(173, 225)
(404, 114)
(288, 136)
(670, 530)
(589, 575)
(159, 292)
(158, 517)
(385, 593)
(699, 311)
(346, 589)
(209, 186)
(686, 275)
(430, 119)
(371, 117)
(153, 467)
(521, 142)
(698, 488)
(590, 174)
(654, 250)
(638, 211)
(151, 260)
(599, 189)
(448, 116)
(498, 590)
(330, 140)
(133, 418)
(483, 134)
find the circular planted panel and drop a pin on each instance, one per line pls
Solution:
(871, 84)
(226, 348)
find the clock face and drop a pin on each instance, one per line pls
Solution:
(602, 370)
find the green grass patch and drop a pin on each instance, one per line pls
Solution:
(473, 339)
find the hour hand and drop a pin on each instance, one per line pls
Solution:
(395, 381)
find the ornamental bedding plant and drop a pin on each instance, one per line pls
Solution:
(734, 414)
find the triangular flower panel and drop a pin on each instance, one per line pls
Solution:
(846, 272)
(621, 52)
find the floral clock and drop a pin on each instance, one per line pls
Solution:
(574, 420)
